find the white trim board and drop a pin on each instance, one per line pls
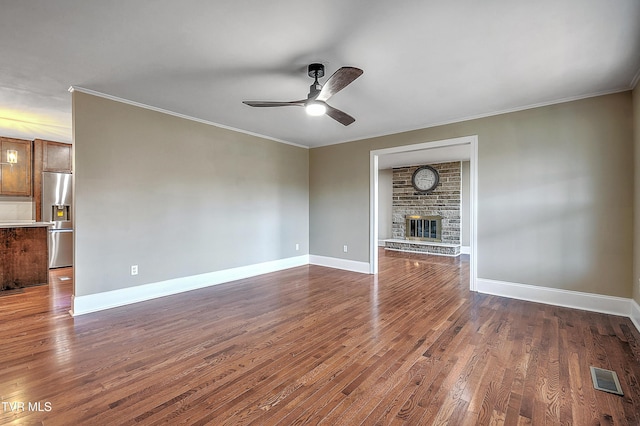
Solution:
(472, 142)
(571, 299)
(344, 264)
(110, 299)
(177, 114)
(81, 305)
(428, 125)
(552, 296)
(635, 314)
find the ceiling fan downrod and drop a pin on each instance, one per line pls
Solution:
(315, 71)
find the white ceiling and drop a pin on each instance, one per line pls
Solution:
(424, 62)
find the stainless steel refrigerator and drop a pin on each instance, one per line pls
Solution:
(57, 204)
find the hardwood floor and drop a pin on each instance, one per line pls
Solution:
(313, 345)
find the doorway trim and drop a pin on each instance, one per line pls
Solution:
(374, 155)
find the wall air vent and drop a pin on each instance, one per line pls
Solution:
(605, 380)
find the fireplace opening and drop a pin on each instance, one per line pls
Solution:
(424, 228)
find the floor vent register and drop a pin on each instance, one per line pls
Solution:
(605, 380)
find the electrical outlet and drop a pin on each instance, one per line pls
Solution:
(297, 247)
(345, 248)
(134, 269)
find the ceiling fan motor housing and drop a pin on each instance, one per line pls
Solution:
(316, 71)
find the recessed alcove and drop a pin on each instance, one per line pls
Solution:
(427, 222)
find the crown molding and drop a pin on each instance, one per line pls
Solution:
(634, 83)
(177, 114)
(489, 114)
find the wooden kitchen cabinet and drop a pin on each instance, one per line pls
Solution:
(24, 255)
(15, 180)
(56, 157)
(48, 156)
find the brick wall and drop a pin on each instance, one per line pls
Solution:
(443, 201)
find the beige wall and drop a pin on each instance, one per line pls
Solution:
(555, 189)
(178, 198)
(636, 134)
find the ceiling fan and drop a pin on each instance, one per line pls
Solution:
(316, 102)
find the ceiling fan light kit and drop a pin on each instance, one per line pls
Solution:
(316, 102)
(315, 109)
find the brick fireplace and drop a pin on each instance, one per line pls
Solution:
(435, 216)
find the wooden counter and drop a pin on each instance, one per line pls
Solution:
(24, 255)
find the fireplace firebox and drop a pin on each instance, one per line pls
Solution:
(423, 228)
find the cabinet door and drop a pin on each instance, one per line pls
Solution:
(15, 180)
(56, 157)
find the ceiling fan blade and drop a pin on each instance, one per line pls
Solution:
(340, 116)
(338, 81)
(273, 104)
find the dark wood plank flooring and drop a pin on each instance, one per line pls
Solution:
(313, 345)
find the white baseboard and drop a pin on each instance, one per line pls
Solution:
(552, 296)
(110, 299)
(81, 305)
(465, 249)
(381, 243)
(347, 265)
(635, 314)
